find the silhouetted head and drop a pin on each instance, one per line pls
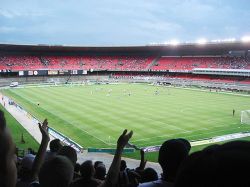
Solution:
(123, 165)
(97, 163)
(219, 165)
(149, 174)
(171, 155)
(77, 167)
(25, 172)
(69, 152)
(8, 172)
(55, 145)
(56, 172)
(100, 171)
(87, 169)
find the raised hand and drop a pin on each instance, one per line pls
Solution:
(113, 173)
(44, 129)
(42, 149)
(123, 139)
(143, 161)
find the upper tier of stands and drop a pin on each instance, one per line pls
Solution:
(189, 63)
(120, 63)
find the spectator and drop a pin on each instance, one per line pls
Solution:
(97, 163)
(218, 165)
(25, 172)
(69, 152)
(56, 172)
(171, 155)
(148, 175)
(54, 146)
(77, 171)
(123, 165)
(87, 172)
(8, 172)
(100, 171)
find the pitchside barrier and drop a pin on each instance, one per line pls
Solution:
(109, 150)
(205, 141)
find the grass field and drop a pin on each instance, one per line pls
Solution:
(94, 116)
(16, 131)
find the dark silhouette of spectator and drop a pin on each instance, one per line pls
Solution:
(123, 165)
(87, 176)
(171, 155)
(149, 174)
(97, 163)
(56, 172)
(25, 172)
(100, 171)
(69, 152)
(77, 171)
(54, 146)
(219, 165)
(8, 171)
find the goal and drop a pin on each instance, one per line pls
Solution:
(245, 117)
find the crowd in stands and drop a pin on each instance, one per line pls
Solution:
(189, 63)
(112, 63)
(183, 76)
(216, 165)
(120, 63)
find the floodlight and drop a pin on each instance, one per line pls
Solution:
(245, 39)
(174, 42)
(230, 40)
(201, 41)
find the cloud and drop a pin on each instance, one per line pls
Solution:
(109, 22)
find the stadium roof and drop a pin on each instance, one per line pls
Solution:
(178, 50)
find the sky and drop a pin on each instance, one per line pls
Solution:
(121, 22)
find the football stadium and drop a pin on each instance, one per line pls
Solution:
(90, 95)
(169, 113)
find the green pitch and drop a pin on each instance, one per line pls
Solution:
(17, 130)
(94, 116)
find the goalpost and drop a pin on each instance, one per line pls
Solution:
(245, 117)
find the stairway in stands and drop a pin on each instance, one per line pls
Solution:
(153, 63)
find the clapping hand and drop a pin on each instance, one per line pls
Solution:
(44, 130)
(123, 139)
(143, 161)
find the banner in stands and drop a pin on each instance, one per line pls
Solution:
(52, 72)
(42, 72)
(74, 72)
(21, 73)
(82, 72)
(151, 149)
(64, 72)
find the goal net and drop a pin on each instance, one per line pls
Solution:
(245, 117)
